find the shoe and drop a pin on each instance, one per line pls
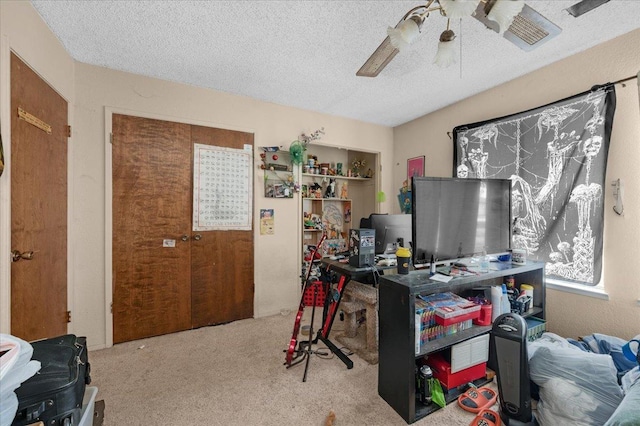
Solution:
(486, 418)
(476, 399)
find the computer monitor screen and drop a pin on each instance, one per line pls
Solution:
(391, 230)
(457, 218)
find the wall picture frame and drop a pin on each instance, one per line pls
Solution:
(415, 167)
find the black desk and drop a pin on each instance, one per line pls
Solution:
(346, 272)
(353, 272)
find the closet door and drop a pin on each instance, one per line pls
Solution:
(151, 227)
(221, 261)
(167, 277)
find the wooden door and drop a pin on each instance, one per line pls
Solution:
(38, 206)
(151, 216)
(207, 278)
(221, 261)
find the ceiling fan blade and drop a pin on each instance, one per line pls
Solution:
(378, 60)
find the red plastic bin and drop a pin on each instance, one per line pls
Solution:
(308, 294)
(442, 371)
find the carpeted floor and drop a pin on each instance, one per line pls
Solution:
(233, 374)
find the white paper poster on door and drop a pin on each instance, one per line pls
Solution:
(222, 188)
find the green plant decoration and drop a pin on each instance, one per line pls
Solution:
(296, 151)
(299, 146)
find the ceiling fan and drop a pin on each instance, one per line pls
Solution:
(513, 19)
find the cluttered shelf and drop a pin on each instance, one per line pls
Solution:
(444, 342)
(422, 320)
(335, 176)
(451, 395)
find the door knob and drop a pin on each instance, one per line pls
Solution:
(26, 255)
(185, 238)
(197, 237)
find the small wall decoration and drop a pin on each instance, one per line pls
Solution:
(279, 181)
(266, 222)
(415, 167)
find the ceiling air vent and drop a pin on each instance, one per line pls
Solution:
(528, 31)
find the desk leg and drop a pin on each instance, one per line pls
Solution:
(336, 350)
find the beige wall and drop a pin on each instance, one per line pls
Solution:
(277, 259)
(567, 314)
(98, 90)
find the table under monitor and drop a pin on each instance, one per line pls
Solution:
(346, 273)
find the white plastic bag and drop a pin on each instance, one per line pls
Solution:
(576, 387)
(15, 367)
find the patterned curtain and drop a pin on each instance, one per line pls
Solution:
(556, 158)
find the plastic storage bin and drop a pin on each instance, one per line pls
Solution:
(535, 328)
(88, 406)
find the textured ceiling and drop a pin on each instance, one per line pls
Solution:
(305, 54)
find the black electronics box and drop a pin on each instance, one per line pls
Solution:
(362, 247)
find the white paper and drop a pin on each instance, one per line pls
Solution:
(441, 278)
(222, 188)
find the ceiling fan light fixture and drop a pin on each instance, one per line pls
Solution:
(457, 9)
(404, 34)
(503, 12)
(446, 55)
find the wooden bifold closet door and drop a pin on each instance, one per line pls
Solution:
(166, 277)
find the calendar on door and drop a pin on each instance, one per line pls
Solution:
(222, 188)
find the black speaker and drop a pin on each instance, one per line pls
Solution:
(362, 247)
(509, 346)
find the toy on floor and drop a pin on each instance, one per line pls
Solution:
(331, 417)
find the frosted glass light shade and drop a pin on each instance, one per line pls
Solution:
(446, 50)
(404, 35)
(456, 9)
(504, 12)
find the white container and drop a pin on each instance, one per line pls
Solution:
(506, 305)
(496, 302)
(469, 353)
(88, 406)
(519, 257)
(528, 291)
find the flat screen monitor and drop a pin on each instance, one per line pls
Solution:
(457, 218)
(390, 230)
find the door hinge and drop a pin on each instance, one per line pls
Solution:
(68, 131)
(111, 138)
(111, 307)
(68, 316)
